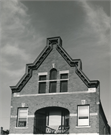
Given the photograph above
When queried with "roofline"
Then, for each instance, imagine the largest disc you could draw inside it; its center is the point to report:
(102, 112)
(77, 63)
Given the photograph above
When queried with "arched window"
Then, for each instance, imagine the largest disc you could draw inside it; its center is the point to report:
(53, 81)
(53, 74)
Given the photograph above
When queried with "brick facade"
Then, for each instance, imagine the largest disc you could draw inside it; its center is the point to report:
(26, 91)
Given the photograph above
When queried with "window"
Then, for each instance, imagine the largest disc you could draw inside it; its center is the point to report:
(42, 83)
(53, 81)
(63, 82)
(83, 115)
(52, 88)
(22, 117)
(53, 74)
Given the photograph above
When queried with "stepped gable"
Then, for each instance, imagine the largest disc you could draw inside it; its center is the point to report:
(43, 55)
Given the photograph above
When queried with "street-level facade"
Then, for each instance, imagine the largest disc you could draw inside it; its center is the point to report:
(54, 96)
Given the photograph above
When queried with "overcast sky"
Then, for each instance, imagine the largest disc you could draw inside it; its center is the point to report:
(84, 27)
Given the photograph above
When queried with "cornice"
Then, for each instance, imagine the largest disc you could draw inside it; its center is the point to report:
(84, 78)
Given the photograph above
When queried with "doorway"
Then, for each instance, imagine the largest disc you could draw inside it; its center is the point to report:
(51, 120)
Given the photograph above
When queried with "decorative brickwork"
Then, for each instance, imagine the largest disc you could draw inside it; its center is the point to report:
(26, 93)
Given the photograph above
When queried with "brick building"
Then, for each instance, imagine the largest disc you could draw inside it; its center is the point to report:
(55, 97)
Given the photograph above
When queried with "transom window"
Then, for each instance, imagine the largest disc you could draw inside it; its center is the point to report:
(83, 115)
(22, 119)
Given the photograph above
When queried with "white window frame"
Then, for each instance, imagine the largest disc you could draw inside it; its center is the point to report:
(64, 71)
(22, 108)
(82, 117)
(42, 73)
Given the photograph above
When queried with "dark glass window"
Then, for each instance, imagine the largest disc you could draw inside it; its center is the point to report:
(63, 86)
(42, 84)
(64, 83)
(64, 76)
(42, 77)
(53, 74)
(52, 87)
(42, 87)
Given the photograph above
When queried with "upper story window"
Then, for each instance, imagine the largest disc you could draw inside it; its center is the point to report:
(42, 82)
(53, 74)
(53, 81)
(64, 81)
(22, 119)
(83, 115)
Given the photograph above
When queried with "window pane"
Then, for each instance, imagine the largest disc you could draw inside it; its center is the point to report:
(53, 74)
(42, 77)
(23, 113)
(83, 115)
(63, 86)
(22, 124)
(42, 87)
(64, 76)
(83, 122)
(52, 88)
(83, 111)
(22, 117)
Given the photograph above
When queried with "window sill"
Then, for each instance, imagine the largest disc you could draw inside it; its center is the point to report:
(83, 126)
(21, 127)
(55, 80)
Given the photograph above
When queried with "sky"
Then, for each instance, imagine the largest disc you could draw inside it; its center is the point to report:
(83, 25)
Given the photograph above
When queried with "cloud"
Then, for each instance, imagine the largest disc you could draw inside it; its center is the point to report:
(14, 74)
(18, 37)
(12, 13)
(14, 50)
(93, 37)
(13, 22)
(98, 21)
